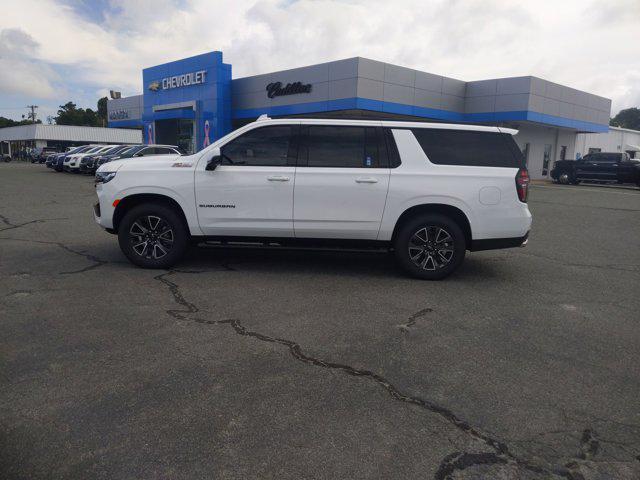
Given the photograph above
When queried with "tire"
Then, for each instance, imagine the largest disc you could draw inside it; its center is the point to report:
(141, 240)
(564, 178)
(426, 260)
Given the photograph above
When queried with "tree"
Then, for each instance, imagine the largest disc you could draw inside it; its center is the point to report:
(7, 122)
(102, 111)
(627, 118)
(70, 114)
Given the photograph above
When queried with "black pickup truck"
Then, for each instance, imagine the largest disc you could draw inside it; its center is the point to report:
(598, 167)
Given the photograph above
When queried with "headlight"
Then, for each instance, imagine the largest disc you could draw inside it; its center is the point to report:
(104, 177)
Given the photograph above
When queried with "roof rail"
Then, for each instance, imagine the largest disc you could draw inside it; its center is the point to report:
(263, 117)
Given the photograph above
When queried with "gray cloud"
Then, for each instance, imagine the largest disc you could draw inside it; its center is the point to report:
(19, 72)
(588, 45)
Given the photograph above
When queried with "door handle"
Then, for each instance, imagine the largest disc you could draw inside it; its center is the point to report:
(278, 178)
(366, 180)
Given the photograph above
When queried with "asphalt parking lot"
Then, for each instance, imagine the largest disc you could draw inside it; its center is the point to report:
(277, 364)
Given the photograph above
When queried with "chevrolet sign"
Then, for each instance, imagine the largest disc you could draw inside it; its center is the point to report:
(178, 81)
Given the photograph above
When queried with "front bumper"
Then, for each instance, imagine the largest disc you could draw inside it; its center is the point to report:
(103, 210)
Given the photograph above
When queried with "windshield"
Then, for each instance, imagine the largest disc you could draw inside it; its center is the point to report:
(131, 151)
(119, 149)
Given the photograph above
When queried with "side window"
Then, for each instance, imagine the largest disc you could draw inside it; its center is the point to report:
(164, 151)
(392, 149)
(145, 152)
(469, 148)
(345, 147)
(262, 147)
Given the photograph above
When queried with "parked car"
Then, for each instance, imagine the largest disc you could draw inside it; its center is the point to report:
(5, 157)
(88, 164)
(428, 192)
(39, 154)
(71, 162)
(604, 167)
(142, 151)
(58, 161)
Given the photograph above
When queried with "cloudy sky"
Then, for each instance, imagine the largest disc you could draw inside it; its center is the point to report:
(52, 51)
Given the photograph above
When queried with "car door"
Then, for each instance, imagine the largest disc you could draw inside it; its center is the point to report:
(341, 182)
(606, 167)
(251, 192)
(585, 167)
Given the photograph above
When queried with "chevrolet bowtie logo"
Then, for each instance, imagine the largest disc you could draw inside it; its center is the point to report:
(154, 86)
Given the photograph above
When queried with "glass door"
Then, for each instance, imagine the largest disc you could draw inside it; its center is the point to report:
(546, 159)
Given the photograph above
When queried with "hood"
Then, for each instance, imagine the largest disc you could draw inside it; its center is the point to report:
(152, 162)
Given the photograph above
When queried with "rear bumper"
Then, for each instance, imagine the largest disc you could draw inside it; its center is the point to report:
(498, 243)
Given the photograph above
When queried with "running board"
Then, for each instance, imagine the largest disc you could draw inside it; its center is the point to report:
(319, 245)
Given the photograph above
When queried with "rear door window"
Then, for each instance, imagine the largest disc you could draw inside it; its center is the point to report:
(345, 147)
(469, 148)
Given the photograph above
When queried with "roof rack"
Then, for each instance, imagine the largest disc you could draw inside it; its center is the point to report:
(263, 117)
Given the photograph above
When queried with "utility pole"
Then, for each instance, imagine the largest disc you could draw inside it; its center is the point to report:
(32, 115)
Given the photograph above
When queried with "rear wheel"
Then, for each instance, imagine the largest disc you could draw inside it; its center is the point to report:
(430, 246)
(153, 236)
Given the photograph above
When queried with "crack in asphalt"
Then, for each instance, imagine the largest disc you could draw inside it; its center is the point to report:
(98, 262)
(405, 327)
(12, 226)
(458, 461)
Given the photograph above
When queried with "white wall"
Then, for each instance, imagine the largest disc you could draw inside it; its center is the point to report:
(615, 140)
(537, 137)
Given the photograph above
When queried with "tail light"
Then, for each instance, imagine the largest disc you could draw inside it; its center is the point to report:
(522, 184)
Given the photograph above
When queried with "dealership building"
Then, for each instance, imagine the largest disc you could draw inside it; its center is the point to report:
(194, 101)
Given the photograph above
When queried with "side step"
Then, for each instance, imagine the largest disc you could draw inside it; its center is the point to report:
(319, 245)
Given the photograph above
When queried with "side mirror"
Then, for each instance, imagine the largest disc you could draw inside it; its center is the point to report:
(215, 159)
(140, 154)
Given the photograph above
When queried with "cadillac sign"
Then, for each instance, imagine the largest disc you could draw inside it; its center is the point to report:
(179, 81)
(276, 89)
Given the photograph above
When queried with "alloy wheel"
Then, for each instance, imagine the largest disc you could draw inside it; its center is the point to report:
(151, 237)
(431, 248)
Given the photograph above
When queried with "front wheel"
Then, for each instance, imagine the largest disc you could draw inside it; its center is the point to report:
(153, 236)
(430, 246)
(564, 178)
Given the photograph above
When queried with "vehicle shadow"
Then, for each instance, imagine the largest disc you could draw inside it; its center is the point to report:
(329, 263)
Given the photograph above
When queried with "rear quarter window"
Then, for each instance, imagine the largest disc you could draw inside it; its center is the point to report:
(469, 148)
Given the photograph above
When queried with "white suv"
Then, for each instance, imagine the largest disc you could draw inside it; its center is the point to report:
(427, 191)
(72, 162)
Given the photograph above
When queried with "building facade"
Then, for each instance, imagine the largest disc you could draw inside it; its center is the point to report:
(194, 101)
(614, 140)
